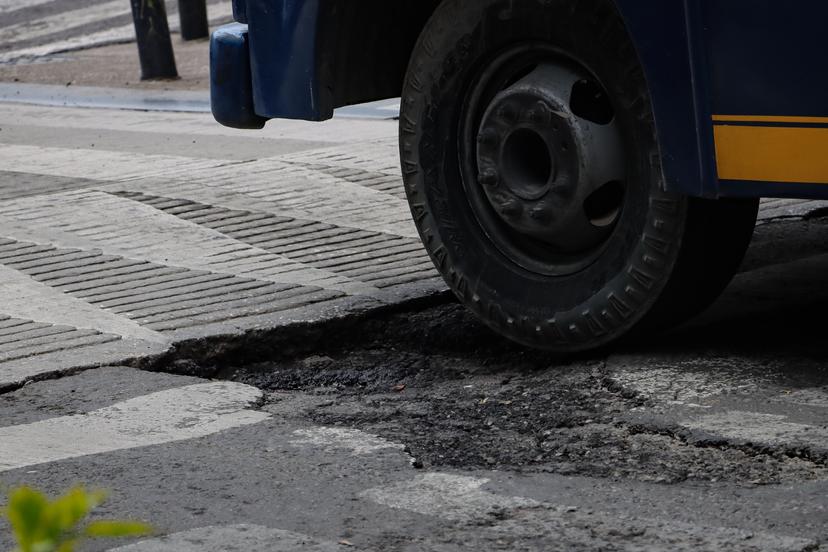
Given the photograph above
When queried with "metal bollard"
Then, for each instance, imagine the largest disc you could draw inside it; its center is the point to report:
(193, 14)
(154, 44)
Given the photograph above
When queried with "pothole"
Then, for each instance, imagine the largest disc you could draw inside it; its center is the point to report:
(457, 396)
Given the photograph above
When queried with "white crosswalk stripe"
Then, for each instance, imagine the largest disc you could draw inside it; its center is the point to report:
(817, 397)
(78, 19)
(453, 497)
(490, 516)
(314, 196)
(8, 6)
(64, 21)
(163, 417)
(684, 384)
(339, 438)
(678, 382)
(760, 428)
(154, 236)
(28, 299)
(477, 517)
(192, 245)
(334, 131)
(709, 396)
(98, 164)
(116, 35)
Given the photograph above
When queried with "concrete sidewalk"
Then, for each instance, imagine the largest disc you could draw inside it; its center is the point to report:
(125, 233)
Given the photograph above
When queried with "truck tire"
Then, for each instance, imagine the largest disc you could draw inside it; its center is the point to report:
(532, 169)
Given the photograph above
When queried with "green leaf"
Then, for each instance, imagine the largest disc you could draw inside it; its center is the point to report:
(68, 510)
(117, 529)
(26, 511)
(41, 525)
(67, 546)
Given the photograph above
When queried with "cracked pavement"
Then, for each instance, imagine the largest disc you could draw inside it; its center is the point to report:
(420, 430)
(247, 365)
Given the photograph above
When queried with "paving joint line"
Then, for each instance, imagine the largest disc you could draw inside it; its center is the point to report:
(688, 436)
(211, 354)
(53, 375)
(676, 431)
(254, 345)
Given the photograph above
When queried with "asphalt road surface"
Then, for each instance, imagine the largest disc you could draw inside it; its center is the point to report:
(421, 430)
(405, 426)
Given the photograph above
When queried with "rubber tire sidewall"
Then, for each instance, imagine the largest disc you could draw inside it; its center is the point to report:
(569, 313)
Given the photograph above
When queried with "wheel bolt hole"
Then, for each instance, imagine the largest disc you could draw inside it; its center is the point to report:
(603, 206)
(527, 163)
(590, 102)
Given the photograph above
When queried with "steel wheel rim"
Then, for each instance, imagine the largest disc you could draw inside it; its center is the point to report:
(520, 203)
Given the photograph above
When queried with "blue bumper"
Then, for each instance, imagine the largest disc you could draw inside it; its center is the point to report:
(268, 69)
(231, 83)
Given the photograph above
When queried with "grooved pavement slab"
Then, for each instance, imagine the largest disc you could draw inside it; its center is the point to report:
(116, 242)
(120, 248)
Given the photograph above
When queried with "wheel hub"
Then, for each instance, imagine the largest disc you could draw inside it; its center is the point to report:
(541, 164)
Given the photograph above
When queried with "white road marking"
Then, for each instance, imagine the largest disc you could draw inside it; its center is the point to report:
(230, 538)
(99, 164)
(758, 428)
(334, 438)
(192, 124)
(115, 35)
(162, 417)
(805, 397)
(136, 230)
(683, 382)
(7, 6)
(28, 299)
(326, 197)
(784, 207)
(453, 497)
(64, 21)
(300, 193)
(218, 13)
(381, 156)
(461, 499)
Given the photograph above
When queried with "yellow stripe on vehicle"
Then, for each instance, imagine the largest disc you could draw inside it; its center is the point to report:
(772, 154)
(768, 119)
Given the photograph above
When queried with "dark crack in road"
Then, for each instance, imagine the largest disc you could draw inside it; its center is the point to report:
(460, 397)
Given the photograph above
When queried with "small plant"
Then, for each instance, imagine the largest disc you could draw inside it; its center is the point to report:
(43, 525)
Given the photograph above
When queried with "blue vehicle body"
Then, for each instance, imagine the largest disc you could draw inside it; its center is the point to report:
(739, 87)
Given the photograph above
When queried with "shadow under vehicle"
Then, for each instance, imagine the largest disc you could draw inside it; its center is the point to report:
(577, 170)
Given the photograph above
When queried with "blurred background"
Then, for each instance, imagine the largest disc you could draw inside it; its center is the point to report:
(92, 43)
